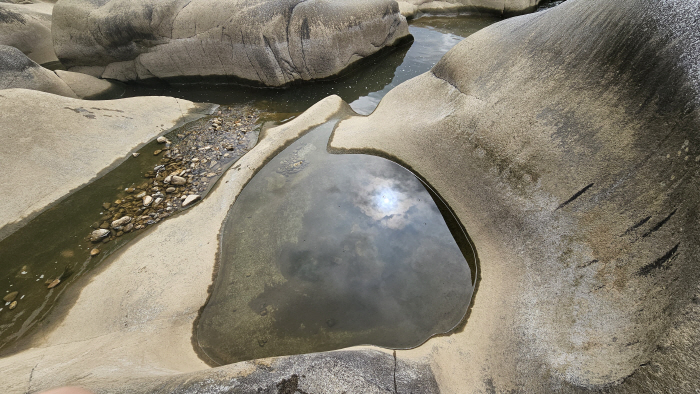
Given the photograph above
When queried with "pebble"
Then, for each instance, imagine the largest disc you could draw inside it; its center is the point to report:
(190, 199)
(94, 252)
(170, 190)
(141, 195)
(162, 140)
(97, 235)
(10, 297)
(106, 205)
(136, 154)
(156, 153)
(53, 283)
(178, 180)
(147, 200)
(13, 305)
(129, 227)
(121, 222)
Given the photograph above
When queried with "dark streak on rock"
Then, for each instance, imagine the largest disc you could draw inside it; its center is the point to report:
(8, 16)
(586, 264)
(660, 224)
(637, 225)
(396, 390)
(649, 268)
(575, 196)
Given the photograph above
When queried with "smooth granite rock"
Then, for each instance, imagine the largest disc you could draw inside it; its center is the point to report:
(271, 42)
(411, 8)
(27, 27)
(567, 144)
(19, 71)
(53, 145)
(88, 87)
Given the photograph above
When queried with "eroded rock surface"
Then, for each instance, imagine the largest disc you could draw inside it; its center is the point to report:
(264, 41)
(567, 144)
(27, 27)
(410, 8)
(53, 144)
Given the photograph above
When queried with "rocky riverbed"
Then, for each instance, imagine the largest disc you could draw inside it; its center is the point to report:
(189, 166)
(182, 168)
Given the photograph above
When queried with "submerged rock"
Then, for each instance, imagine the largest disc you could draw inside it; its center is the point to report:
(121, 222)
(563, 141)
(177, 180)
(98, 234)
(10, 296)
(264, 41)
(54, 283)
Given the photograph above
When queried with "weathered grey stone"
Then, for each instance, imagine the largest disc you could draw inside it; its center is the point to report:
(88, 87)
(19, 71)
(121, 222)
(98, 234)
(364, 371)
(27, 27)
(411, 8)
(266, 41)
(64, 143)
(567, 144)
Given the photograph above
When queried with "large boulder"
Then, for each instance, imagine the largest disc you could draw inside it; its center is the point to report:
(19, 71)
(271, 42)
(52, 145)
(411, 8)
(27, 27)
(567, 144)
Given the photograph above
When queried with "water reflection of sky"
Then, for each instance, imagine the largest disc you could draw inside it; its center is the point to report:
(349, 250)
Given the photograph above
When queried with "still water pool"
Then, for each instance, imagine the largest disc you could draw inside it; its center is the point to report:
(324, 251)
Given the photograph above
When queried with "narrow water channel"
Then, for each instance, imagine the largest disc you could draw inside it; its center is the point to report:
(54, 245)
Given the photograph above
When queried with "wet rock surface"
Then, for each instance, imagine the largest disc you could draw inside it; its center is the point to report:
(268, 42)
